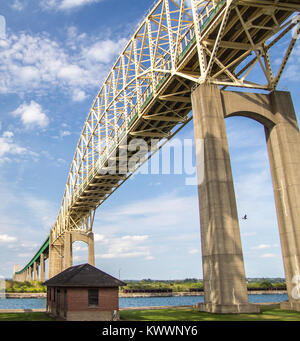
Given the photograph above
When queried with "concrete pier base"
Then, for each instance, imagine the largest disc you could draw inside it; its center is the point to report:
(290, 305)
(227, 309)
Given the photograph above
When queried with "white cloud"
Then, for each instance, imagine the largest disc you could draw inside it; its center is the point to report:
(69, 65)
(8, 147)
(29, 245)
(18, 5)
(65, 4)
(248, 234)
(292, 72)
(4, 238)
(25, 255)
(78, 95)
(134, 238)
(103, 51)
(64, 133)
(268, 255)
(171, 220)
(79, 247)
(32, 115)
(99, 237)
(194, 251)
(124, 247)
(70, 73)
(42, 210)
(261, 247)
(161, 209)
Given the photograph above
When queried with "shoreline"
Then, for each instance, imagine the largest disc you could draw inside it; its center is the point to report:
(132, 295)
(7, 311)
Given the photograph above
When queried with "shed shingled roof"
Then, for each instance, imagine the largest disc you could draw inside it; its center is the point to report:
(84, 275)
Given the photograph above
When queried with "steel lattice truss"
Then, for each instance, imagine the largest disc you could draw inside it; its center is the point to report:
(146, 95)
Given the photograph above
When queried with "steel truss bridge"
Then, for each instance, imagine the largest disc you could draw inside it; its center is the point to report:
(147, 94)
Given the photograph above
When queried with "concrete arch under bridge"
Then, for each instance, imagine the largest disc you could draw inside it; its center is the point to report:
(60, 251)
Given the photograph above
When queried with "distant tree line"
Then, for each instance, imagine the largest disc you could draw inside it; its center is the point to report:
(151, 286)
(19, 287)
(190, 285)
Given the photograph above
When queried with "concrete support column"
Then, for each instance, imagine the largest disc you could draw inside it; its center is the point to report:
(42, 268)
(16, 269)
(91, 249)
(67, 250)
(225, 289)
(55, 257)
(283, 141)
(30, 274)
(35, 278)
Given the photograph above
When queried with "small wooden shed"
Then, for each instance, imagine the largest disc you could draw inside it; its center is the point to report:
(83, 293)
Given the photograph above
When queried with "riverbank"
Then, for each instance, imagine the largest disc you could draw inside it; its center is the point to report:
(178, 294)
(129, 295)
(25, 295)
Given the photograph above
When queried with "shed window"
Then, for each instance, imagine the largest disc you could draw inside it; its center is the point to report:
(93, 297)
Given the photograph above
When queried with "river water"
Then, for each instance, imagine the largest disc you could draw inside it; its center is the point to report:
(124, 302)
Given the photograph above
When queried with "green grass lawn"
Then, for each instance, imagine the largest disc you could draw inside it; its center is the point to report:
(189, 314)
(269, 313)
(35, 316)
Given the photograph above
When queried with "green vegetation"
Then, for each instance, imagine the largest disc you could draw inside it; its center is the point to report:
(268, 313)
(34, 316)
(147, 284)
(34, 286)
(175, 286)
(193, 283)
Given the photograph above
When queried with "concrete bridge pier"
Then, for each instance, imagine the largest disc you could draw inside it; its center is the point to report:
(29, 274)
(283, 141)
(223, 266)
(225, 289)
(55, 257)
(16, 269)
(35, 271)
(42, 268)
(60, 252)
(72, 236)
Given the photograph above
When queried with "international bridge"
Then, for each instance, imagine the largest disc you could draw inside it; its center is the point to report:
(178, 65)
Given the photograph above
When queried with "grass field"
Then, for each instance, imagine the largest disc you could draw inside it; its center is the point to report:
(270, 313)
(35, 316)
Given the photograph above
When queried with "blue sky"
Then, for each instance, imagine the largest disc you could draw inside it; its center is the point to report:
(52, 63)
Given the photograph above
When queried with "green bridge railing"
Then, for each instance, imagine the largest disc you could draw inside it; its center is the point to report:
(41, 250)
